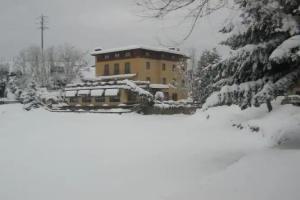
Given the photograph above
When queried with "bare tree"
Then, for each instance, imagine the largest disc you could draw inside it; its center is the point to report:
(194, 9)
(30, 63)
(57, 63)
(71, 59)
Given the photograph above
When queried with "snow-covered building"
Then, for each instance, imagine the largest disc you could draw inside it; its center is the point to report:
(164, 69)
(127, 76)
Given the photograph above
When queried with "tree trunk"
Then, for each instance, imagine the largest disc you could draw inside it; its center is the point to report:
(269, 105)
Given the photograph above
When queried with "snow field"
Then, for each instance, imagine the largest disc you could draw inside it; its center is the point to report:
(47, 155)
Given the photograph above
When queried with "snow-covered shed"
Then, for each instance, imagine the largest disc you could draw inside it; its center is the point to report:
(107, 93)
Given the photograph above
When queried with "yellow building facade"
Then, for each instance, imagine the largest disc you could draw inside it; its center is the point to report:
(164, 69)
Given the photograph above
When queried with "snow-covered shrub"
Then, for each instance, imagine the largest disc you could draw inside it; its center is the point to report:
(29, 97)
(49, 98)
(159, 96)
(205, 74)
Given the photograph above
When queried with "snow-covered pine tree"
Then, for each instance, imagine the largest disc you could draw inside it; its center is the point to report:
(267, 53)
(204, 75)
(29, 96)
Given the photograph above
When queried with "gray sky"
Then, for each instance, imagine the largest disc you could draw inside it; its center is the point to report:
(96, 23)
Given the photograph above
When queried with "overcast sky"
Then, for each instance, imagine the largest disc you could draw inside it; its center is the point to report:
(96, 23)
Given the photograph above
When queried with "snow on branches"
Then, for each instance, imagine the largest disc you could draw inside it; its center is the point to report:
(266, 58)
(289, 49)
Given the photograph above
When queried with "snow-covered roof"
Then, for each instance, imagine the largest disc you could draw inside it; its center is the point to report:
(84, 92)
(111, 92)
(112, 77)
(132, 47)
(97, 92)
(159, 86)
(122, 84)
(71, 93)
(133, 86)
(99, 87)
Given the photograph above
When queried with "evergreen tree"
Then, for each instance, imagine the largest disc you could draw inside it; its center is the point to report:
(29, 97)
(204, 75)
(267, 53)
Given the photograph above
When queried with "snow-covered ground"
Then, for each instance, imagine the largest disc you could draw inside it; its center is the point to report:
(66, 156)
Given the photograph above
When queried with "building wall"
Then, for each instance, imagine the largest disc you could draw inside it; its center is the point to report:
(172, 73)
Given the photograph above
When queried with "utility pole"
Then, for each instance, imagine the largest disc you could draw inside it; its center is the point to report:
(42, 26)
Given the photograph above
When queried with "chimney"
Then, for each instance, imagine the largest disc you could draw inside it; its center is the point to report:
(98, 49)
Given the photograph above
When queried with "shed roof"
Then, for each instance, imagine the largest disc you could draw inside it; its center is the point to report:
(97, 92)
(111, 92)
(71, 93)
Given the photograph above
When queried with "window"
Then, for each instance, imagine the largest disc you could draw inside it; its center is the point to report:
(174, 82)
(132, 97)
(100, 99)
(147, 54)
(114, 98)
(116, 68)
(106, 70)
(148, 65)
(86, 99)
(183, 83)
(117, 55)
(174, 97)
(166, 94)
(99, 58)
(164, 67)
(73, 100)
(148, 79)
(127, 68)
(127, 54)
(164, 81)
(173, 68)
(106, 57)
